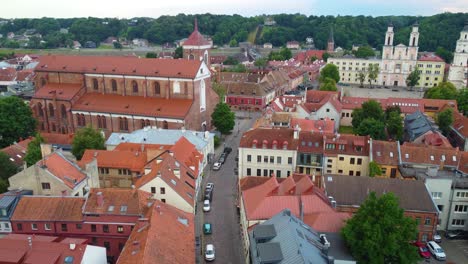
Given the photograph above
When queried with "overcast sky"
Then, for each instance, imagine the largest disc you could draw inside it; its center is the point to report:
(156, 8)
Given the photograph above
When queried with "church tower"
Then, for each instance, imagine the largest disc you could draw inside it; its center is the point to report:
(331, 42)
(458, 74)
(197, 47)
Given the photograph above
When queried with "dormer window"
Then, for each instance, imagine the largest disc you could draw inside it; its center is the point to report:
(264, 144)
(407, 155)
(275, 144)
(285, 145)
(254, 143)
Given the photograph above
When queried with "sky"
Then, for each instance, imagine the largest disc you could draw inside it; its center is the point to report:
(156, 8)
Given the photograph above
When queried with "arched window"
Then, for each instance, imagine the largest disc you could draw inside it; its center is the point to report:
(135, 86)
(63, 111)
(114, 85)
(80, 120)
(51, 110)
(43, 81)
(102, 122)
(123, 123)
(157, 88)
(53, 127)
(165, 125)
(95, 84)
(145, 123)
(39, 110)
(191, 57)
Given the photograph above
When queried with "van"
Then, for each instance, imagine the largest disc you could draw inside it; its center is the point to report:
(436, 250)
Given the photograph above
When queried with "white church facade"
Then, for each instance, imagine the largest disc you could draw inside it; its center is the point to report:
(458, 74)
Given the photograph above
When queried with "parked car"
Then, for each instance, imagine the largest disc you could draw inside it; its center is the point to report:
(209, 195)
(456, 234)
(436, 250)
(207, 229)
(222, 159)
(422, 250)
(209, 186)
(227, 150)
(437, 238)
(210, 252)
(217, 166)
(206, 206)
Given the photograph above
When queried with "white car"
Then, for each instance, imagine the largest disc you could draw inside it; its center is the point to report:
(209, 186)
(217, 166)
(206, 206)
(210, 252)
(436, 250)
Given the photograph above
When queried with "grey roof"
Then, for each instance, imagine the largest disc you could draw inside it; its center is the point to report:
(294, 243)
(353, 191)
(160, 136)
(264, 232)
(417, 124)
(338, 249)
(31, 65)
(6, 201)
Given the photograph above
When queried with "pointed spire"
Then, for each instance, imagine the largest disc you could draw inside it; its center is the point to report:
(330, 37)
(196, 25)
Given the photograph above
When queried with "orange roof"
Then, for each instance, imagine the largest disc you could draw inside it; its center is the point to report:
(17, 151)
(61, 91)
(56, 138)
(124, 159)
(431, 57)
(133, 105)
(152, 150)
(460, 123)
(353, 145)
(324, 126)
(196, 38)
(422, 154)
(116, 201)
(130, 65)
(7, 74)
(167, 237)
(463, 166)
(269, 135)
(62, 168)
(327, 221)
(187, 153)
(40, 208)
(385, 152)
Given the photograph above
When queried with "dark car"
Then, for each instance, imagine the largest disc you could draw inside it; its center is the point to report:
(209, 194)
(227, 150)
(457, 234)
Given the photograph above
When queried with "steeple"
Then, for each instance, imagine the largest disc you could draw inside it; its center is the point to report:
(195, 28)
(330, 37)
(331, 41)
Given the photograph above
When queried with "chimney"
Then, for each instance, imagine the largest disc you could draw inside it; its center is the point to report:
(297, 129)
(100, 199)
(301, 207)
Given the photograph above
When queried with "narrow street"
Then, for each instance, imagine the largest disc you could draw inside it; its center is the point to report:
(223, 215)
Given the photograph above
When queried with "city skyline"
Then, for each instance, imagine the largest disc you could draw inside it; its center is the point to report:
(145, 8)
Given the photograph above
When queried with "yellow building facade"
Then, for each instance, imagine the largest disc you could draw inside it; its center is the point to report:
(431, 70)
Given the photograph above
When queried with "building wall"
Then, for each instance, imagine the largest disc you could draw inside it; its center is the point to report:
(327, 111)
(271, 167)
(431, 73)
(349, 68)
(116, 178)
(387, 170)
(458, 218)
(341, 165)
(346, 117)
(441, 191)
(5, 227)
(170, 197)
(246, 102)
(459, 70)
(457, 139)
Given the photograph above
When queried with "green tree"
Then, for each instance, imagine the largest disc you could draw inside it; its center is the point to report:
(220, 90)
(285, 53)
(8, 168)
(413, 78)
(374, 169)
(237, 68)
(117, 45)
(86, 138)
(362, 78)
(445, 120)
(328, 85)
(325, 56)
(261, 63)
(151, 55)
(445, 90)
(394, 124)
(374, 128)
(390, 109)
(4, 185)
(446, 55)
(178, 53)
(364, 52)
(379, 232)
(369, 109)
(329, 71)
(373, 72)
(462, 101)
(34, 153)
(230, 61)
(233, 43)
(223, 118)
(16, 120)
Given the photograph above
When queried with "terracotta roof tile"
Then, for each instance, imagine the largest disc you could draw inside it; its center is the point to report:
(133, 105)
(331, 222)
(168, 237)
(430, 57)
(385, 152)
(62, 168)
(280, 135)
(421, 154)
(7, 74)
(179, 68)
(460, 123)
(187, 153)
(353, 145)
(196, 39)
(122, 159)
(61, 91)
(17, 151)
(133, 201)
(463, 165)
(326, 126)
(39, 208)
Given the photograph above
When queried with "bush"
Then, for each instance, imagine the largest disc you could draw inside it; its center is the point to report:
(217, 141)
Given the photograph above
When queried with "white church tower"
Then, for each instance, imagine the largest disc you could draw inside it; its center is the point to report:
(458, 74)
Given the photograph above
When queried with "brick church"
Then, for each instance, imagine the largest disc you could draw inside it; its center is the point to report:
(122, 94)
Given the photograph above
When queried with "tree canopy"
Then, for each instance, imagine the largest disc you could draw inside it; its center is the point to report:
(369, 109)
(445, 90)
(413, 78)
(34, 153)
(86, 138)
(445, 120)
(379, 232)
(223, 118)
(152, 55)
(374, 128)
(329, 71)
(364, 52)
(328, 85)
(374, 169)
(16, 120)
(281, 55)
(8, 168)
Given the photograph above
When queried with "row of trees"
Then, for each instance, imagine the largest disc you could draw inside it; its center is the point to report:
(232, 29)
(447, 91)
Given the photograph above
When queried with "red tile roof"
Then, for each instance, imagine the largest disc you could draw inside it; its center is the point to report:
(331, 222)
(62, 168)
(56, 138)
(421, 154)
(460, 123)
(134, 200)
(431, 57)
(316, 99)
(121, 159)
(61, 91)
(310, 142)
(307, 55)
(463, 165)
(385, 152)
(133, 105)
(168, 237)
(7, 74)
(178, 68)
(326, 126)
(196, 38)
(351, 145)
(186, 153)
(17, 151)
(269, 135)
(40, 208)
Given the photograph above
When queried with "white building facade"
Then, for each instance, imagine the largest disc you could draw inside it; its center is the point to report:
(458, 74)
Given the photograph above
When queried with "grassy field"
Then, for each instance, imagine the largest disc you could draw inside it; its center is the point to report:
(346, 130)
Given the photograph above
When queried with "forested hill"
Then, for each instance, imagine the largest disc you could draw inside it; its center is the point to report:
(440, 30)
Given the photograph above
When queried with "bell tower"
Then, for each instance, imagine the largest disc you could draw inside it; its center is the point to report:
(197, 47)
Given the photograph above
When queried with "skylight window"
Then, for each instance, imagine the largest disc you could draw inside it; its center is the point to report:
(111, 208)
(123, 208)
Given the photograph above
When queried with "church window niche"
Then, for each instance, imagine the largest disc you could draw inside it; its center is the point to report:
(95, 84)
(165, 125)
(114, 85)
(39, 110)
(43, 81)
(191, 57)
(176, 87)
(134, 87)
(157, 88)
(63, 111)
(51, 110)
